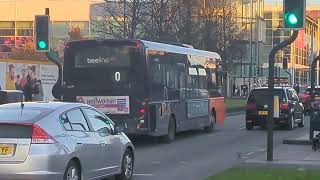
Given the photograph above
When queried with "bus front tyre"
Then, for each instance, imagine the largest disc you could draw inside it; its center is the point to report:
(170, 137)
(210, 128)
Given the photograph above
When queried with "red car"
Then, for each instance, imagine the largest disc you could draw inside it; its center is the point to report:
(305, 98)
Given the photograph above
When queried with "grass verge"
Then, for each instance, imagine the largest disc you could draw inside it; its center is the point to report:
(246, 173)
(235, 104)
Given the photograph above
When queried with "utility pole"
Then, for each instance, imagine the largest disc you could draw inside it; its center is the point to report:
(250, 43)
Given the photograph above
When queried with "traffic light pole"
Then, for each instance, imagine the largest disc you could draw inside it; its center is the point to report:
(313, 81)
(271, 90)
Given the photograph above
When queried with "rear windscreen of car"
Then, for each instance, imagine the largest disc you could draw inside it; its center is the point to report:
(316, 90)
(259, 96)
(17, 115)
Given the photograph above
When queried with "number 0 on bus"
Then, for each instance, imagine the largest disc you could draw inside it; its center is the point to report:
(117, 76)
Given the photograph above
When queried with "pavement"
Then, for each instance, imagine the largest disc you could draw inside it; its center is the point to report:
(289, 155)
(196, 155)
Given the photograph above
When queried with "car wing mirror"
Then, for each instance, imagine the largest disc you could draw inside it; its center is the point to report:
(121, 127)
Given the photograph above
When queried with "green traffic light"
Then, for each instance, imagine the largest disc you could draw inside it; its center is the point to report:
(292, 19)
(42, 44)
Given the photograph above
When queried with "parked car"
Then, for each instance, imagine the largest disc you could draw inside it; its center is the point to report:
(305, 97)
(55, 140)
(291, 109)
(10, 96)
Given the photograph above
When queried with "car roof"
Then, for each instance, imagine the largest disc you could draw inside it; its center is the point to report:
(42, 105)
(282, 87)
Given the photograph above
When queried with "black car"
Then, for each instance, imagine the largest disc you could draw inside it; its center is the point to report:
(290, 113)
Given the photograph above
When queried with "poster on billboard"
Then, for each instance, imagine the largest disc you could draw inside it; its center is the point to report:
(107, 104)
(17, 75)
(49, 76)
(33, 78)
(2, 78)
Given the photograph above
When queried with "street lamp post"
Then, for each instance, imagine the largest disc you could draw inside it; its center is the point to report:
(250, 43)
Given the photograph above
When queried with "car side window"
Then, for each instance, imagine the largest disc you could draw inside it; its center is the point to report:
(99, 123)
(65, 122)
(76, 120)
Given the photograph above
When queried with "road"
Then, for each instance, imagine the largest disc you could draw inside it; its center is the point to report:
(196, 155)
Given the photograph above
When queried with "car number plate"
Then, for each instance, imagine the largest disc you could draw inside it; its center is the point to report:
(6, 149)
(263, 113)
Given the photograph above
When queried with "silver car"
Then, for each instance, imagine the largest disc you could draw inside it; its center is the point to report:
(56, 141)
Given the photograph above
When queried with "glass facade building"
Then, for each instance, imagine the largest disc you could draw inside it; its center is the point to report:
(298, 54)
(17, 20)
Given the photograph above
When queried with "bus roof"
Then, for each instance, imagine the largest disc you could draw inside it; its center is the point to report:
(158, 46)
(179, 49)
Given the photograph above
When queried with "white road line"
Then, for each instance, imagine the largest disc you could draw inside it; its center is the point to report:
(242, 128)
(183, 163)
(249, 153)
(262, 149)
(156, 162)
(143, 174)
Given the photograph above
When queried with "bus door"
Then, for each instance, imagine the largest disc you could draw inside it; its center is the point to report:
(198, 99)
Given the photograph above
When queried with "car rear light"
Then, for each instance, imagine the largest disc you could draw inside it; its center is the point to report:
(142, 110)
(284, 106)
(251, 106)
(40, 136)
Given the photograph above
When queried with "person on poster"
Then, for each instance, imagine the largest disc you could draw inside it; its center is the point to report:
(18, 82)
(27, 90)
(39, 95)
(10, 84)
(23, 80)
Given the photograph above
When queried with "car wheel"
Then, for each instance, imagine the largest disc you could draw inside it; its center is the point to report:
(291, 122)
(301, 124)
(170, 137)
(249, 126)
(127, 166)
(210, 128)
(72, 171)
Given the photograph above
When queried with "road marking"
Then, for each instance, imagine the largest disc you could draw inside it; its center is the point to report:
(156, 162)
(242, 127)
(183, 162)
(249, 153)
(143, 174)
(262, 149)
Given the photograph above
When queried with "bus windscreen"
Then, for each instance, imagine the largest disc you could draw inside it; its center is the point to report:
(102, 56)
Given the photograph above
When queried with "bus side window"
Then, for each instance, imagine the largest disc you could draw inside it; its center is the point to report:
(193, 85)
(158, 81)
(172, 81)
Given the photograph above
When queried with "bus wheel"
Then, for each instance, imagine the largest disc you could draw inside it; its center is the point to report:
(171, 131)
(210, 128)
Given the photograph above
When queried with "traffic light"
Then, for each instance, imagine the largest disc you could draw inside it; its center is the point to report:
(285, 63)
(41, 41)
(294, 14)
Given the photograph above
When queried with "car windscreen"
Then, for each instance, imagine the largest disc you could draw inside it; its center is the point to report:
(259, 96)
(22, 115)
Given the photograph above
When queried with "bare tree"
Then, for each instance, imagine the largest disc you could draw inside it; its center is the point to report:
(221, 27)
(159, 18)
(187, 23)
(120, 19)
